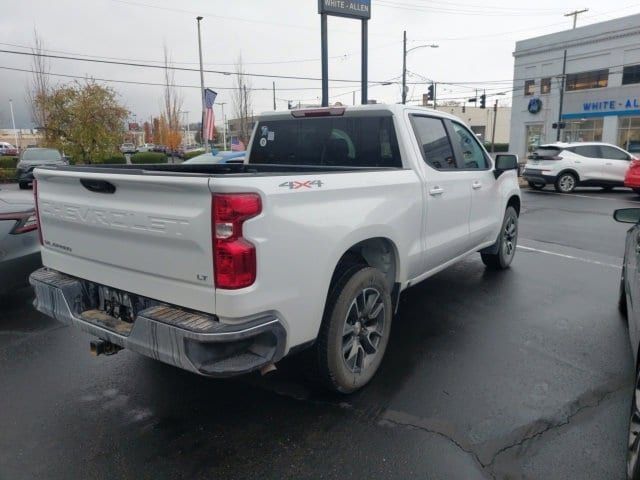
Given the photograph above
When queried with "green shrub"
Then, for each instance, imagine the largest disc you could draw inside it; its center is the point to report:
(8, 162)
(112, 160)
(8, 174)
(149, 157)
(193, 153)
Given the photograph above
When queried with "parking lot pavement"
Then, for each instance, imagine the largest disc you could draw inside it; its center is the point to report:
(519, 374)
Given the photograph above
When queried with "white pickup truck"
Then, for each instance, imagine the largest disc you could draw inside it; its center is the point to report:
(225, 269)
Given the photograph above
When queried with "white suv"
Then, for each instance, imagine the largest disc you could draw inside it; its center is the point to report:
(568, 165)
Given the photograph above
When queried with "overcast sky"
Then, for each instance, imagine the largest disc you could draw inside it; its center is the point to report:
(280, 37)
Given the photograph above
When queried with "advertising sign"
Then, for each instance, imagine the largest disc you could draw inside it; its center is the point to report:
(360, 9)
(616, 101)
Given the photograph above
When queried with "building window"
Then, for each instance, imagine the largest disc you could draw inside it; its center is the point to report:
(529, 87)
(586, 80)
(545, 85)
(631, 74)
(583, 130)
(629, 134)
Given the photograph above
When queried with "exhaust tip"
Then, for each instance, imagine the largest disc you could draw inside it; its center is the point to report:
(267, 369)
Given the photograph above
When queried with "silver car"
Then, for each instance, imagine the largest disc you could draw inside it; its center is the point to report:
(19, 242)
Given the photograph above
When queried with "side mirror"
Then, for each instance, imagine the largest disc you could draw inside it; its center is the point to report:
(504, 162)
(627, 215)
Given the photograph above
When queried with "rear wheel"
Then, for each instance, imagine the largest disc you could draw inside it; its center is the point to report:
(507, 243)
(566, 183)
(536, 186)
(23, 185)
(355, 329)
(636, 190)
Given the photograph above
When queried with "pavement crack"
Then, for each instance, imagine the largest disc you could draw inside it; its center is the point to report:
(591, 400)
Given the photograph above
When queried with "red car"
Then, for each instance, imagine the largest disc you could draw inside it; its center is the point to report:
(8, 149)
(632, 177)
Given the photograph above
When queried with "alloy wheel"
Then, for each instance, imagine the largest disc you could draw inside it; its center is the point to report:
(510, 237)
(567, 183)
(633, 453)
(363, 330)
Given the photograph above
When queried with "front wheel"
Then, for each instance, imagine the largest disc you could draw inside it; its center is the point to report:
(536, 186)
(633, 452)
(506, 243)
(355, 329)
(636, 191)
(566, 183)
(23, 185)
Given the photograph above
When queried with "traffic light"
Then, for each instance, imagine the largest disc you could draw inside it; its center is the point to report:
(430, 92)
(483, 101)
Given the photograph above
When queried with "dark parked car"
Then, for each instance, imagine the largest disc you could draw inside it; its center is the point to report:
(36, 157)
(628, 304)
(19, 244)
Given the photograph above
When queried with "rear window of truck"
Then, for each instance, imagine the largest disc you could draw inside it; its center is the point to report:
(330, 141)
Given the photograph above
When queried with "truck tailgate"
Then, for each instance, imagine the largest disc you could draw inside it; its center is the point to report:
(145, 234)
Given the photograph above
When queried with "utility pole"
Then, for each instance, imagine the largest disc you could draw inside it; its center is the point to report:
(404, 68)
(274, 96)
(562, 81)
(324, 50)
(13, 121)
(493, 129)
(201, 87)
(435, 87)
(575, 14)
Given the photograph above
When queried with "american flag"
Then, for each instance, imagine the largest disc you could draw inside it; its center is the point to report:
(209, 117)
(237, 145)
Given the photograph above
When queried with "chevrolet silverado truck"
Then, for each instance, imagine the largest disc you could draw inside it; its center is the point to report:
(226, 269)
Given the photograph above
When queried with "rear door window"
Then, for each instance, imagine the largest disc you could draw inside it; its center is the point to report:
(589, 151)
(331, 141)
(545, 153)
(434, 142)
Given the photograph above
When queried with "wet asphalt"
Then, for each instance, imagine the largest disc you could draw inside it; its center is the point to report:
(518, 374)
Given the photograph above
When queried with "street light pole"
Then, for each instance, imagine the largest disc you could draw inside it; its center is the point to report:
(404, 63)
(224, 127)
(13, 121)
(201, 86)
(404, 68)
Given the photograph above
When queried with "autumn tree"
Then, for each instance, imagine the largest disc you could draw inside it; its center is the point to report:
(172, 104)
(84, 119)
(242, 102)
(148, 134)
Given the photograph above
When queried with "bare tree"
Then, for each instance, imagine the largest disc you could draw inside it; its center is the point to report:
(172, 105)
(242, 102)
(39, 88)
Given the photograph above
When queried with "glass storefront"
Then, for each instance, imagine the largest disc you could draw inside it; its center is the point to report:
(533, 134)
(629, 134)
(583, 130)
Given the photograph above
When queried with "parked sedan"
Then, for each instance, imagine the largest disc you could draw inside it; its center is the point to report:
(128, 148)
(628, 304)
(147, 147)
(36, 157)
(19, 244)
(568, 165)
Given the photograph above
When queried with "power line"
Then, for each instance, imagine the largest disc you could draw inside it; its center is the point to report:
(181, 69)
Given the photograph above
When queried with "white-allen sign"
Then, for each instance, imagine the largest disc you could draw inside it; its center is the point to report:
(346, 8)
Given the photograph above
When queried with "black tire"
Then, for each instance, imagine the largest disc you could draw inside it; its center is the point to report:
(607, 188)
(536, 186)
(344, 332)
(566, 182)
(506, 243)
(622, 298)
(23, 185)
(636, 191)
(633, 450)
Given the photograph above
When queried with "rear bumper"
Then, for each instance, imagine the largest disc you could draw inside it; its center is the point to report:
(536, 176)
(189, 340)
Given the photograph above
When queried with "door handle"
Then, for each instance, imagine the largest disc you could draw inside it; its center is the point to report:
(476, 185)
(436, 191)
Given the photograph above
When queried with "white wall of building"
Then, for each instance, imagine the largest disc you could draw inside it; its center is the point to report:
(612, 44)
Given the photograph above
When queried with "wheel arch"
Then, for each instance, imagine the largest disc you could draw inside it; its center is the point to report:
(571, 171)
(515, 202)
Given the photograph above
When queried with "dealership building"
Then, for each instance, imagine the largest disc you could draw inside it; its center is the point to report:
(601, 100)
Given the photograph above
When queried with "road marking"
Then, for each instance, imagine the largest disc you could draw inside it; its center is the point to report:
(535, 192)
(570, 257)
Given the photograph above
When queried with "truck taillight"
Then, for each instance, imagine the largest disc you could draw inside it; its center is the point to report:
(234, 257)
(35, 198)
(635, 163)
